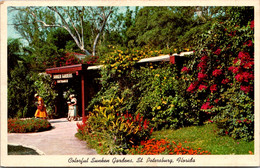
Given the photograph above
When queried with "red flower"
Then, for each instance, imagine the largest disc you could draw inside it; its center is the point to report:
(204, 58)
(201, 76)
(213, 88)
(235, 60)
(243, 55)
(244, 77)
(201, 87)
(185, 69)
(192, 87)
(145, 125)
(225, 81)
(211, 121)
(246, 89)
(202, 65)
(233, 69)
(249, 65)
(217, 52)
(206, 106)
(249, 43)
(252, 24)
(151, 131)
(217, 72)
(232, 33)
(216, 101)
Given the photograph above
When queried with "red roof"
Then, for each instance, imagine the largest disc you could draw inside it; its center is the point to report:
(67, 69)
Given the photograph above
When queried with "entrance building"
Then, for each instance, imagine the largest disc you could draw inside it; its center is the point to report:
(81, 77)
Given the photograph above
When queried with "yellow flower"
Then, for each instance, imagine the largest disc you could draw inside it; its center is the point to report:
(157, 75)
(151, 66)
(164, 78)
(159, 107)
(164, 102)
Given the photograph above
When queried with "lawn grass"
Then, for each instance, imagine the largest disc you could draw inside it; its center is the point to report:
(20, 150)
(206, 137)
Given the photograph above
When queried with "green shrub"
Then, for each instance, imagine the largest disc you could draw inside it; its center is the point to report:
(20, 92)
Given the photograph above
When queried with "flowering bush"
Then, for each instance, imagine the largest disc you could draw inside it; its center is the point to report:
(27, 125)
(222, 79)
(164, 147)
(123, 129)
(72, 59)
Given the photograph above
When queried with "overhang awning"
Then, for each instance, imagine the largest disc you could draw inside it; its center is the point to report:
(163, 57)
(67, 69)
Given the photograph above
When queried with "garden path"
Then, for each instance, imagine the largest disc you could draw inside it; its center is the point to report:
(60, 140)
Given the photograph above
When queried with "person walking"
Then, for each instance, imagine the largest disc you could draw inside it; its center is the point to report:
(41, 109)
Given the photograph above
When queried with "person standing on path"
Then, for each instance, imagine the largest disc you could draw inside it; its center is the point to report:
(41, 109)
(72, 114)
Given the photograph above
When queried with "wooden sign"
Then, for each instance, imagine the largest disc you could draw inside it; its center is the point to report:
(63, 81)
(67, 75)
(57, 76)
(62, 76)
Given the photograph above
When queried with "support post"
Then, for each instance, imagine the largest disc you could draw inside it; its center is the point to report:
(83, 96)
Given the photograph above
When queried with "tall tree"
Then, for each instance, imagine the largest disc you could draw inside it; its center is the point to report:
(72, 19)
(158, 27)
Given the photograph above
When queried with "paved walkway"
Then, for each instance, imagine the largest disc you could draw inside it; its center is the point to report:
(60, 140)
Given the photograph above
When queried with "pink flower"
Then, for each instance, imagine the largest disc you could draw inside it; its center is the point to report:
(217, 52)
(201, 76)
(213, 88)
(217, 72)
(201, 87)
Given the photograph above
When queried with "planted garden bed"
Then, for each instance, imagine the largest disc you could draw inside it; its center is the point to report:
(28, 125)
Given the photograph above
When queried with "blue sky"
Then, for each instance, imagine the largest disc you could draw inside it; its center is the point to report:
(11, 32)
